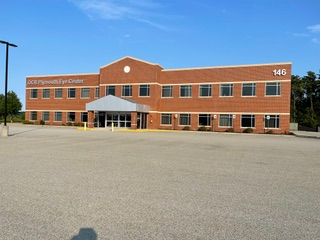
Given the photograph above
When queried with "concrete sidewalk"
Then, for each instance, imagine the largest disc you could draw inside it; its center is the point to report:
(307, 134)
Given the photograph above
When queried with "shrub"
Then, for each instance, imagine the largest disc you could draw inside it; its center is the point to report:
(69, 123)
(230, 130)
(42, 122)
(27, 122)
(248, 130)
(202, 129)
(186, 128)
(269, 132)
(77, 124)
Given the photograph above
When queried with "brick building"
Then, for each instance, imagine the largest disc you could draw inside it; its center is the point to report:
(131, 93)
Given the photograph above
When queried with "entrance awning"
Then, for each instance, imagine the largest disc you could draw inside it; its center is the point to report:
(111, 103)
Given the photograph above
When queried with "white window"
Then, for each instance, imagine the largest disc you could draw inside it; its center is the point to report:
(33, 93)
(127, 91)
(248, 89)
(248, 121)
(226, 90)
(85, 92)
(225, 120)
(273, 89)
(45, 116)
(185, 119)
(71, 116)
(58, 93)
(144, 91)
(272, 121)
(166, 119)
(97, 92)
(46, 93)
(84, 117)
(185, 91)
(204, 120)
(205, 90)
(110, 90)
(71, 93)
(166, 91)
(33, 115)
(57, 116)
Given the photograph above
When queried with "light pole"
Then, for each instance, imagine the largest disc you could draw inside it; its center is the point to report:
(5, 129)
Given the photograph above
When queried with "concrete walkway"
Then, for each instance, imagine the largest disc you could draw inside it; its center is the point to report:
(307, 134)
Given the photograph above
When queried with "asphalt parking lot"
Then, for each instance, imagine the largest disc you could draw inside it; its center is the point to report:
(62, 183)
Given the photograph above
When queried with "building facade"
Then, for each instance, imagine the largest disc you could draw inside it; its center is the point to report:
(131, 93)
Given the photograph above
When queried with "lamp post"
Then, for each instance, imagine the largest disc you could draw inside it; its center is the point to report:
(5, 128)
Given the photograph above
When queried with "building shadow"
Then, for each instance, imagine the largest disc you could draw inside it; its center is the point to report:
(85, 234)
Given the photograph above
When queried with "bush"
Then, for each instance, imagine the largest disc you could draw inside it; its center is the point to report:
(42, 122)
(69, 123)
(77, 124)
(27, 122)
(248, 130)
(230, 130)
(186, 128)
(269, 132)
(202, 129)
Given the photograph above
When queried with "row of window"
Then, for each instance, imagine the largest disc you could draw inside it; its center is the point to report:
(225, 120)
(71, 116)
(205, 90)
(85, 93)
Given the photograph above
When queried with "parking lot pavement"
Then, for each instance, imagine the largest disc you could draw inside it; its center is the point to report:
(61, 183)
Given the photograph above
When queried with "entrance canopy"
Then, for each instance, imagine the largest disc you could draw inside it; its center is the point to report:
(111, 103)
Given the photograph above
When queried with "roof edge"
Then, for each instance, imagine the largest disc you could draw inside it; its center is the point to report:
(61, 75)
(231, 66)
(136, 59)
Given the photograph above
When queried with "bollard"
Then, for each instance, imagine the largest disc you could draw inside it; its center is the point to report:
(85, 126)
(112, 127)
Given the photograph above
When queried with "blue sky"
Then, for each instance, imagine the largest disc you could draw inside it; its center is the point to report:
(80, 36)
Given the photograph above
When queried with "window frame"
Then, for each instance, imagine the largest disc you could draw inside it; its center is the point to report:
(84, 115)
(277, 86)
(275, 118)
(188, 119)
(56, 115)
(208, 119)
(32, 114)
(126, 88)
(45, 114)
(187, 91)
(97, 92)
(85, 92)
(252, 120)
(108, 87)
(229, 119)
(226, 85)
(169, 88)
(68, 116)
(253, 90)
(169, 118)
(69, 93)
(58, 90)
(34, 91)
(46, 93)
(147, 89)
(201, 88)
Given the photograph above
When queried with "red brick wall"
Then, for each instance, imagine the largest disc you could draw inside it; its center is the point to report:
(145, 73)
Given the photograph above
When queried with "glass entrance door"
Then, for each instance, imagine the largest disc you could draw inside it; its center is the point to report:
(121, 120)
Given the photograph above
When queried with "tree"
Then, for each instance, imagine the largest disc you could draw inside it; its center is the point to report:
(305, 99)
(13, 104)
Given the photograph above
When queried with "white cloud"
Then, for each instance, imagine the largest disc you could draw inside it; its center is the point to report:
(316, 40)
(301, 35)
(314, 28)
(119, 9)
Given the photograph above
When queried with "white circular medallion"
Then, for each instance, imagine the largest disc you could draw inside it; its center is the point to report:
(126, 69)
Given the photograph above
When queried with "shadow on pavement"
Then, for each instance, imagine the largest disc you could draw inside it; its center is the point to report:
(85, 234)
